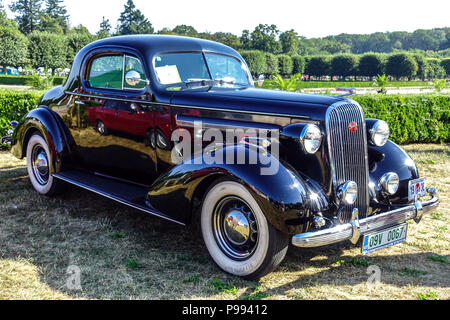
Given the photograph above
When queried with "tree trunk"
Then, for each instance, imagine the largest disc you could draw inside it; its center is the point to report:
(4, 70)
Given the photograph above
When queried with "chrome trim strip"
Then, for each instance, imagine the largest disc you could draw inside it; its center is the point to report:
(185, 106)
(188, 122)
(112, 197)
(349, 231)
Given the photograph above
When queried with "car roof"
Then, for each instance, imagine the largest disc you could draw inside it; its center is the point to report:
(150, 45)
(147, 46)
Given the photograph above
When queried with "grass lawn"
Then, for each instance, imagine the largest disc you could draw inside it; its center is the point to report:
(125, 254)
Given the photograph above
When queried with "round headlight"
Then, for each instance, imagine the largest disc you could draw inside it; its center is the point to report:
(348, 192)
(389, 182)
(379, 133)
(311, 138)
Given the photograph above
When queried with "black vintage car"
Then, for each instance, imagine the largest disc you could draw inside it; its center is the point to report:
(141, 120)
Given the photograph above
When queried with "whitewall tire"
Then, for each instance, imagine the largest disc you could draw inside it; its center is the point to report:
(39, 167)
(237, 234)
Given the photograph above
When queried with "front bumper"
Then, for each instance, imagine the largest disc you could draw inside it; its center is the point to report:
(353, 230)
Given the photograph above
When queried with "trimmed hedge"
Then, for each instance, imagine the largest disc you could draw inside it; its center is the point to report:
(412, 118)
(22, 80)
(285, 64)
(14, 105)
(256, 61)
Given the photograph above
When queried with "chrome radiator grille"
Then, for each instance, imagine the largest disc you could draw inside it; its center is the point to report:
(348, 153)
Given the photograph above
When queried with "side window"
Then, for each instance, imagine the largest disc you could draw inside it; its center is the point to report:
(134, 74)
(117, 72)
(107, 72)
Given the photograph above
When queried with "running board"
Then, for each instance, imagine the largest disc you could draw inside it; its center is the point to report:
(125, 193)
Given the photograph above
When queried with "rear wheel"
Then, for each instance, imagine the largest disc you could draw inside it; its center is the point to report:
(101, 128)
(39, 168)
(237, 234)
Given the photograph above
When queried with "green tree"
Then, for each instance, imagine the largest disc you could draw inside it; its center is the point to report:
(4, 20)
(344, 65)
(401, 65)
(13, 47)
(370, 65)
(289, 42)
(256, 61)
(285, 64)
(436, 69)
(445, 63)
(334, 47)
(246, 40)
(47, 50)
(55, 14)
(105, 29)
(271, 63)
(318, 66)
(75, 42)
(48, 24)
(298, 64)
(228, 39)
(28, 14)
(133, 21)
(264, 38)
(184, 30)
(424, 69)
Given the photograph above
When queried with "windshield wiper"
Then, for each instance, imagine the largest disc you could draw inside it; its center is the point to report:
(200, 82)
(210, 82)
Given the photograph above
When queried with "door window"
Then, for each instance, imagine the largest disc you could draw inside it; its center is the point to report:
(107, 72)
(117, 72)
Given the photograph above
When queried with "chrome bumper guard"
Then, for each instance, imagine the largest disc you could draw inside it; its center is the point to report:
(353, 230)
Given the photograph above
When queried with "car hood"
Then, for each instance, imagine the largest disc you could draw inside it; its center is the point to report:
(262, 101)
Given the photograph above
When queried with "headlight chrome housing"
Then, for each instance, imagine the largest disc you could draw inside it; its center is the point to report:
(348, 192)
(379, 133)
(389, 182)
(311, 138)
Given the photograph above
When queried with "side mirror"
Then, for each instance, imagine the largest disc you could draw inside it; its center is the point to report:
(133, 78)
(261, 79)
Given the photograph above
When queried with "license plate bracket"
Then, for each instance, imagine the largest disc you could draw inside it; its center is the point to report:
(381, 239)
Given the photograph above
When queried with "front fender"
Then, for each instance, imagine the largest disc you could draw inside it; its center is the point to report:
(42, 120)
(284, 196)
(391, 158)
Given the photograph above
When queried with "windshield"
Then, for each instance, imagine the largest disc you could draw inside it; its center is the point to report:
(207, 69)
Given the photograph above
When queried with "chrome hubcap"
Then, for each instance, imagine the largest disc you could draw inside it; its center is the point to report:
(39, 162)
(101, 127)
(235, 228)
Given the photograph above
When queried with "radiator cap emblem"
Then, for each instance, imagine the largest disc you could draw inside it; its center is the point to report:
(353, 126)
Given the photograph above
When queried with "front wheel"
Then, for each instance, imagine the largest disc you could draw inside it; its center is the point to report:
(237, 234)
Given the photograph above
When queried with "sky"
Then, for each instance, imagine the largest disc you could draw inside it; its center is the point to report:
(310, 18)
